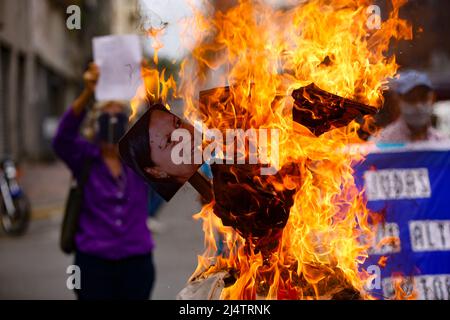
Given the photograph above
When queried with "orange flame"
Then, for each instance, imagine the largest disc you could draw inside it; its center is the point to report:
(403, 287)
(156, 87)
(264, 54)
(382, 261)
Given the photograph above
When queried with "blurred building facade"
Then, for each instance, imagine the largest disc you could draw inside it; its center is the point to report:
(429, 49)
(125, 15)
(41, 64)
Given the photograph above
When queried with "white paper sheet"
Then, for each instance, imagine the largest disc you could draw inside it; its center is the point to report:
(119, 59)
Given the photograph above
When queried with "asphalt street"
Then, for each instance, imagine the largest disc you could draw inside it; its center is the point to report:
(33, 267)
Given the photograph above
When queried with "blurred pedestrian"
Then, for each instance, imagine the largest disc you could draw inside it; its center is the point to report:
(415, 97)
(113, 244)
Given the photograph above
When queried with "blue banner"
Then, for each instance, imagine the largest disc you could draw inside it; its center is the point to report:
(410, 186)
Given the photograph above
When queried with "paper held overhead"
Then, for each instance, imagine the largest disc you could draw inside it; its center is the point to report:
(119, 59)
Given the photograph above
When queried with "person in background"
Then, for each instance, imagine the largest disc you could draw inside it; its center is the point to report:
(114, 245)
(414, 94)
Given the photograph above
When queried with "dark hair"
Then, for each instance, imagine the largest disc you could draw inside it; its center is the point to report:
(418, 93)
(135, 151)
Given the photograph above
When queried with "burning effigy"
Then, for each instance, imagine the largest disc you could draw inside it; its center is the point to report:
(303, 74)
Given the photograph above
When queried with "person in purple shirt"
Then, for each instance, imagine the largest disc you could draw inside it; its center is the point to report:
(114, 244)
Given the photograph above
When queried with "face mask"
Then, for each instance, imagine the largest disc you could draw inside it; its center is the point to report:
(416, 115)
(112, 127)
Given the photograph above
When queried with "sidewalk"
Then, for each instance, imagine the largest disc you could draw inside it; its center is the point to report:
(47, 186)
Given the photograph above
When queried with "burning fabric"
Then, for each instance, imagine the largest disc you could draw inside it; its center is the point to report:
(306, 72)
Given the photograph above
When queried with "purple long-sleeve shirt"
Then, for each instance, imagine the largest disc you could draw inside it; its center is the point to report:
(113, 217)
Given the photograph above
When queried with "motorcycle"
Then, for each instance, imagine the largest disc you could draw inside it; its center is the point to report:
(15, 210)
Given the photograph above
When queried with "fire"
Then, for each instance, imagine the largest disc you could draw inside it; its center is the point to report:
(382, 261)
(264, 54)
(403, 288)
(156, 86)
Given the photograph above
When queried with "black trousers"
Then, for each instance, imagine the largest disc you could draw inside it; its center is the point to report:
(127, 279)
